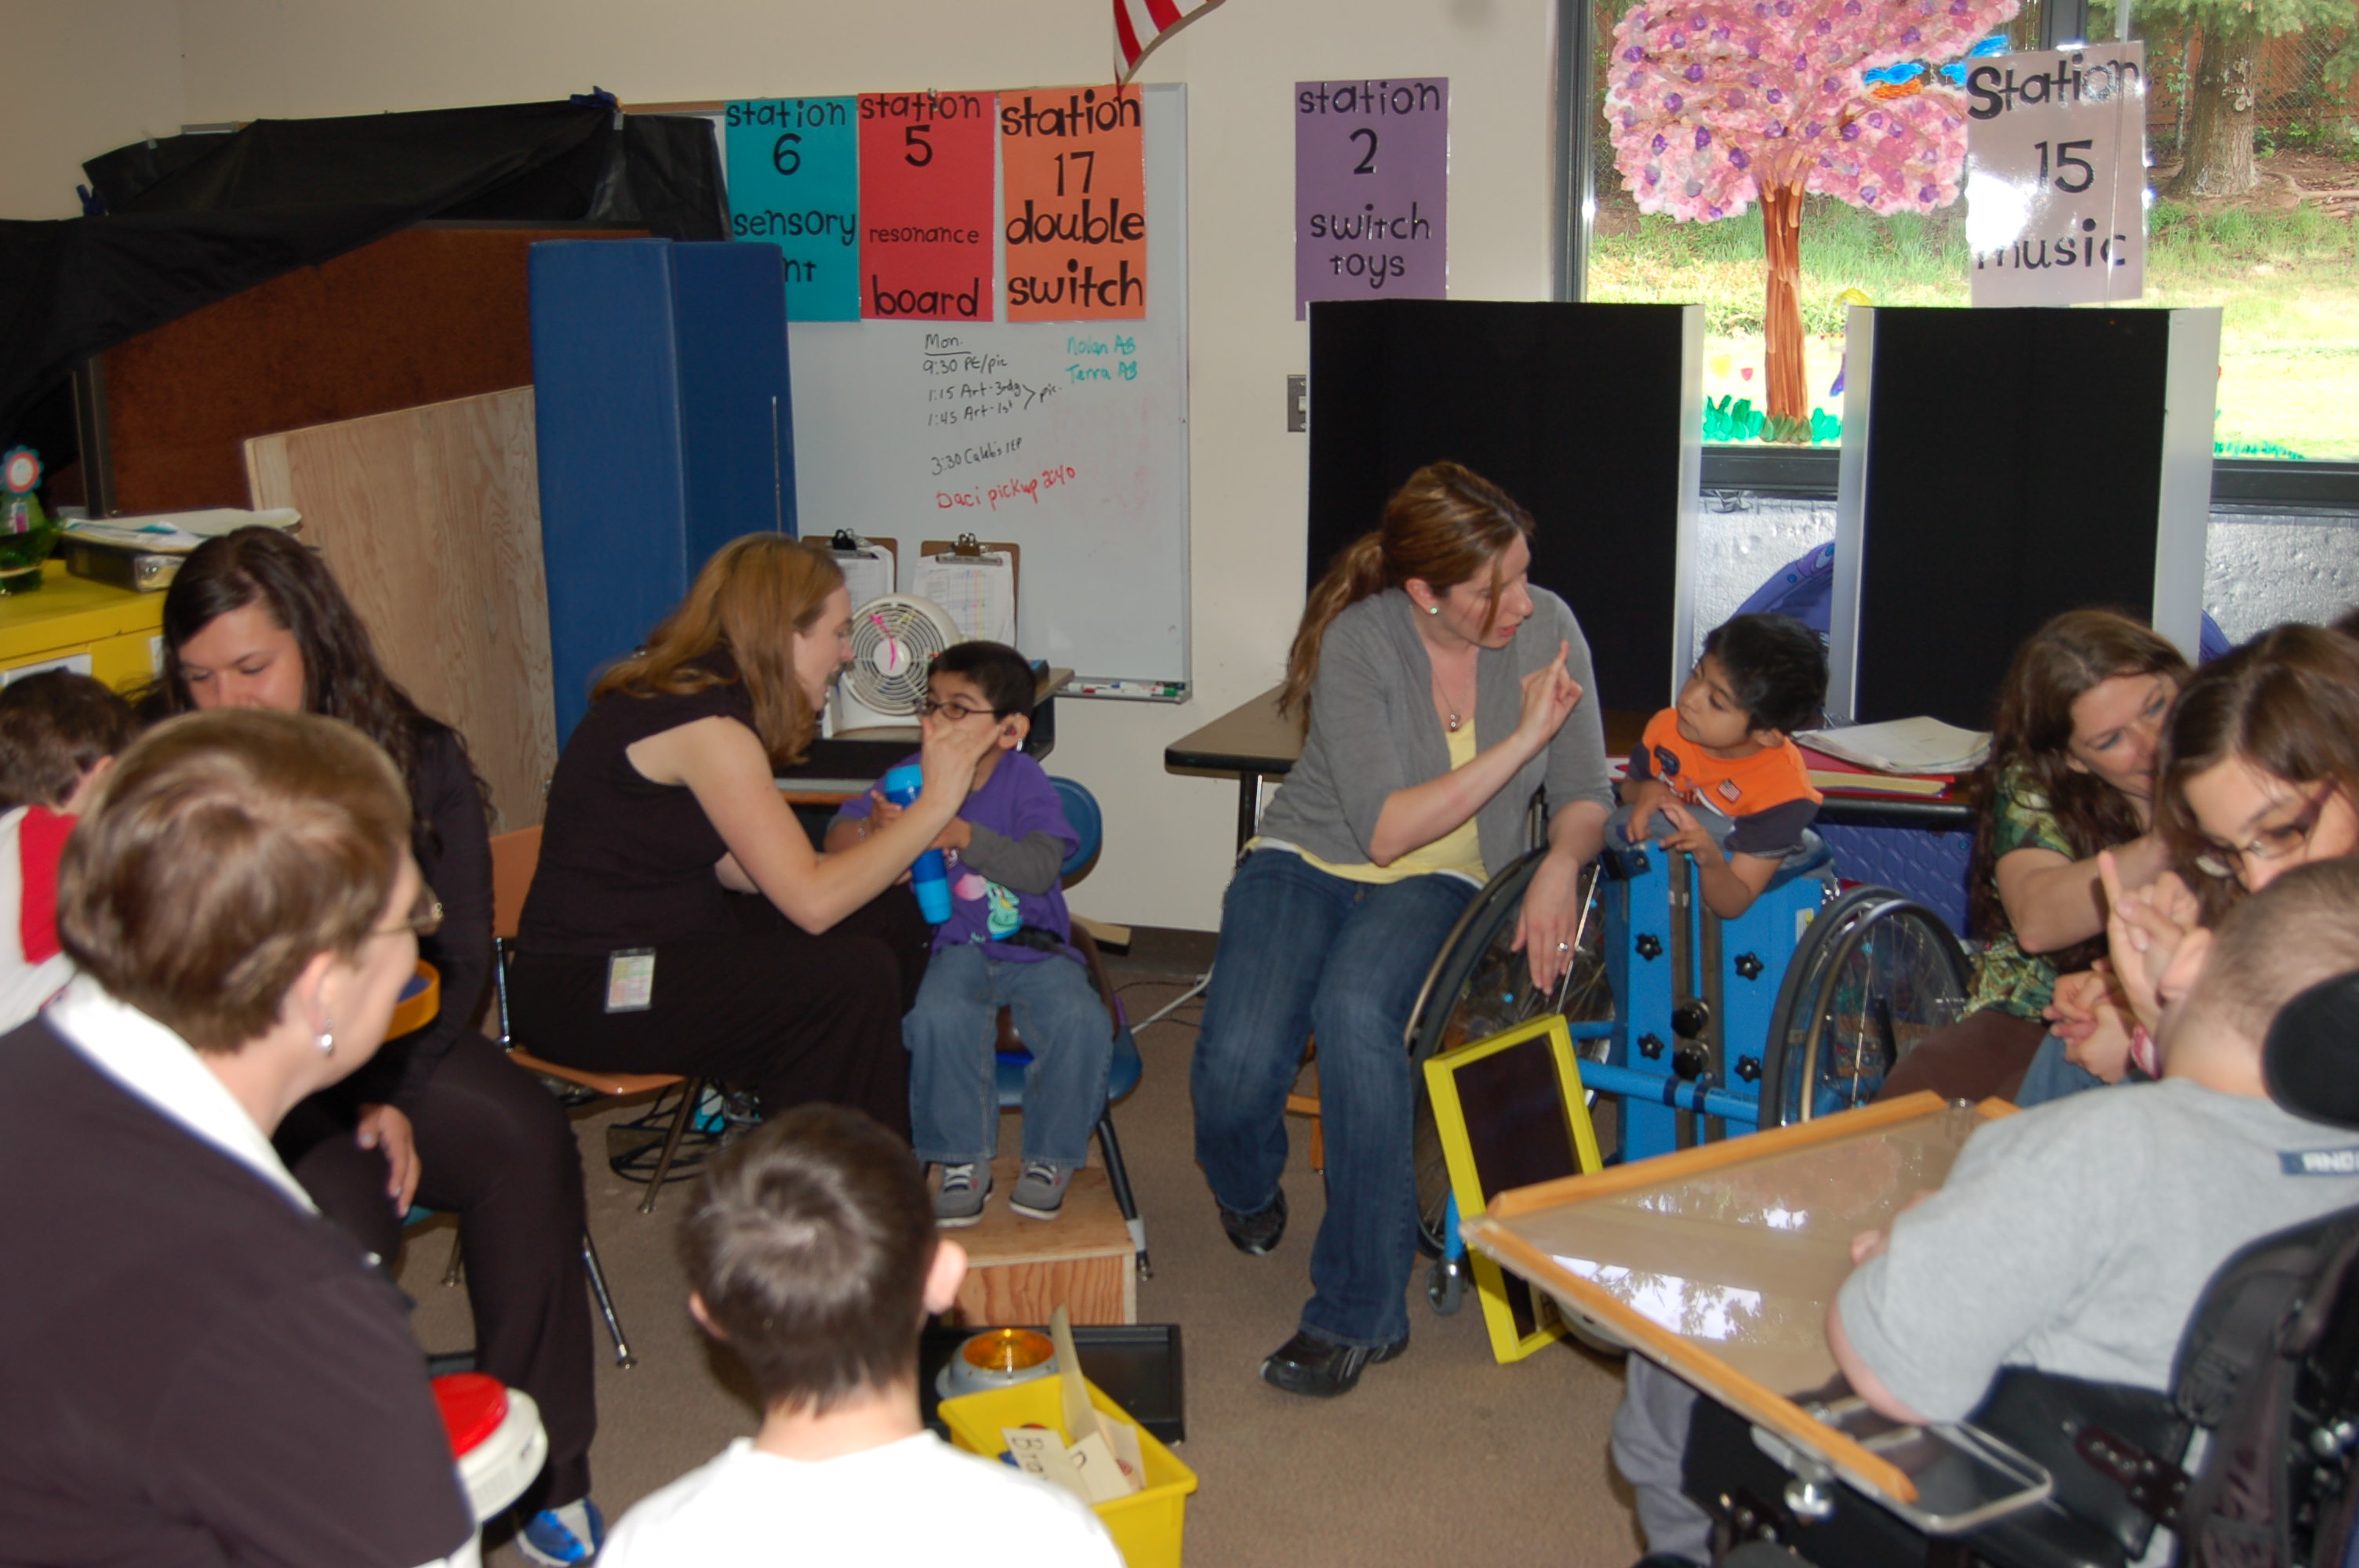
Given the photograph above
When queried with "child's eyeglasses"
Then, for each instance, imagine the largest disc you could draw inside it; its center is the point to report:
(2273, 843)
(425, 916)
(952, 710)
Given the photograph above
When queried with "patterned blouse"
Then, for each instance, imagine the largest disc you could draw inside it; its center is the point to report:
(2006, 976)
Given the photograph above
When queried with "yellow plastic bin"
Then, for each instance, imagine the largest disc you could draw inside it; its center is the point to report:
(1145, 1525)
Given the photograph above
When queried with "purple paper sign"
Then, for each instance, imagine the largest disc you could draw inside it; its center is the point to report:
(1371, 190)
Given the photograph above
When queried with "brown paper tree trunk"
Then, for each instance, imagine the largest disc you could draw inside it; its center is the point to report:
(1781, 229)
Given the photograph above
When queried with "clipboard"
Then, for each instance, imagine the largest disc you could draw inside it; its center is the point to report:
(1691, 1233)
(973, 603)
(851, 550)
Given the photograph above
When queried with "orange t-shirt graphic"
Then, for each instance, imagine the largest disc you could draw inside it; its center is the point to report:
(1768, 794)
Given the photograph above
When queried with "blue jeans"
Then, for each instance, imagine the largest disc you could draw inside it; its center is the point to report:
(952, 1032)
(1303, 952)
(2052, 1076)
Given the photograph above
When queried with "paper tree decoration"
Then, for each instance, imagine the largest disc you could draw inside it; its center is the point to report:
(1714, 105)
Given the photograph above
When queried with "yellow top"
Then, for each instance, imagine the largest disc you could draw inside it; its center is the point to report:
(1459, 850)
(68, 609)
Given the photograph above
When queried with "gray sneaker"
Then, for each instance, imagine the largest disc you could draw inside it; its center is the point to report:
(1040, 1191)
(959, 1201)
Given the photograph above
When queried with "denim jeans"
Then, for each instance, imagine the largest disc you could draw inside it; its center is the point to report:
(2052, 1076)
(952, 1032)
(1303, 952)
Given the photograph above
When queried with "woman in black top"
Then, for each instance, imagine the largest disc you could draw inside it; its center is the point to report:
(639, 950)
(253, 619)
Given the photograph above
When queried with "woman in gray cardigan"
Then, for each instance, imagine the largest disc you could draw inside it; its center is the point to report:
(1439, 691)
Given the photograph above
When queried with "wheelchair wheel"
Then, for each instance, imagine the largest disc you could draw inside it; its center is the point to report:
(1478, 986)
(1874, 974)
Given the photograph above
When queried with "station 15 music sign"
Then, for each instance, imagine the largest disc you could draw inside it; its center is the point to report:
(2056, 176)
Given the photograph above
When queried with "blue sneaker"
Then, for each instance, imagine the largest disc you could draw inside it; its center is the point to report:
(557, 1537)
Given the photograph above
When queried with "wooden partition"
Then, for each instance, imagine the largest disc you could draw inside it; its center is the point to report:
(430, 518)
(423, 316)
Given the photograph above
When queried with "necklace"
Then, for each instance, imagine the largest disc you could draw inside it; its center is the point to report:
(1454, 720)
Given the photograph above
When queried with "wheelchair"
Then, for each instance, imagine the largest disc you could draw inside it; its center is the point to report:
(1697, 1027)
(2056, 1472)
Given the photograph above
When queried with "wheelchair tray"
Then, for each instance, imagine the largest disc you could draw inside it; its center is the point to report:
(1719, 1262)
(1963, 1477)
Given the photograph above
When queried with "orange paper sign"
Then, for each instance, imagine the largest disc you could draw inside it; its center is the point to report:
(1075, 165)
(925, 206)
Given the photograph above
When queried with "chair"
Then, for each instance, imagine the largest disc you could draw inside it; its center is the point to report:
(1081, 812)
(515, 856)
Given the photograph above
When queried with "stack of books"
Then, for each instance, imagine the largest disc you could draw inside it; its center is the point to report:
(1903, 756)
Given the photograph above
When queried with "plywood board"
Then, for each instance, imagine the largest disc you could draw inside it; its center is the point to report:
(1019, 1269)
(430, 518)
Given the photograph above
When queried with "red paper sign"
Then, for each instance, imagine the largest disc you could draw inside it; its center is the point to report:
(1075, 165)
(925, 206)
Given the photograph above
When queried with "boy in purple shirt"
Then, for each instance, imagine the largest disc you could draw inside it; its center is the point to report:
(1008, 943)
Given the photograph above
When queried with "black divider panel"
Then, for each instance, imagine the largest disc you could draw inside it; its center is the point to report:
(2013, 472)
(1573, 409)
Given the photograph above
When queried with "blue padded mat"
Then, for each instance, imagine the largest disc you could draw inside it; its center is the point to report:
(1929, 867)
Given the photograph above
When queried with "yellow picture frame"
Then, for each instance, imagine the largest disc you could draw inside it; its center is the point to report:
(1492, 1101)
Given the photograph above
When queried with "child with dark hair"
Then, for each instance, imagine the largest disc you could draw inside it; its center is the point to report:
(812, 1255)
(1008, 943)
(58, 735)
(1719, 767)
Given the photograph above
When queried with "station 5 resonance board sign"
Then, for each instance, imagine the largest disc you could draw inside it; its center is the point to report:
(2056, 176)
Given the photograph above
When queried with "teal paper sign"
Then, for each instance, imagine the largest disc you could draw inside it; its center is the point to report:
(794, 180)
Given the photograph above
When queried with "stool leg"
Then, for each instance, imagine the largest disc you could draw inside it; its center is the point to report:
(623, 1357)
(1118, 1178)
(689, 1093)
(458, 1267)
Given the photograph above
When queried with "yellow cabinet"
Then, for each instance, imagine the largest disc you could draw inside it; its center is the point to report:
(96, 628)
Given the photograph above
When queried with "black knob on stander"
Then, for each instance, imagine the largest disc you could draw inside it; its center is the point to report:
(1750, 966)
(1748, 1068)
(1650, 1045)
(1689, 1062)
(1649, 946)
(1691, 1019)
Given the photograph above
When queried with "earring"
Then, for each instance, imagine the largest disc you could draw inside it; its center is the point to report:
(1433, 610)
(327, 1039)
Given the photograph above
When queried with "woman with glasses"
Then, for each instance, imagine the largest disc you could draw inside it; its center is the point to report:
(201, 1369)
(2259, 775)
(440, 1118)
(681, 921)
(2071, 772)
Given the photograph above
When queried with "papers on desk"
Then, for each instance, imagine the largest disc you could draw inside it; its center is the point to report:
(175, 533)
(1904, 746)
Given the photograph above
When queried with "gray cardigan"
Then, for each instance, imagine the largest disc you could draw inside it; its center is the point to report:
(1374, 731)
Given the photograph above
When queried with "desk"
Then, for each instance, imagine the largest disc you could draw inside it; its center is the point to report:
(93, 628)
(1256, 742)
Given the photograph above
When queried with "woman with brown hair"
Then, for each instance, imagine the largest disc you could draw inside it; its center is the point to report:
(1439, 690)
(638, 951)
(255, 621)
(2070, 773)
(202, 1369)
(2259, 774)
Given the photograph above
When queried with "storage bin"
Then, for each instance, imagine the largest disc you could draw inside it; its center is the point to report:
(1147, 1525)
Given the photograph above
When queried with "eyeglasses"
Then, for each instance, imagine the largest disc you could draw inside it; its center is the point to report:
(950, 709)
(425, 916)
(2273, 843)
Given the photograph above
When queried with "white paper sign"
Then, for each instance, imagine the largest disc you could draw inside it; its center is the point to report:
(2056, 176)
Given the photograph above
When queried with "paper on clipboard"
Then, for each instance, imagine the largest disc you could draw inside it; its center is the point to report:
(868, 568)
(979, 591)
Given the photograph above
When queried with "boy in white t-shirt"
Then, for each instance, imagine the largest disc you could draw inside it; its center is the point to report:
(812, 1255)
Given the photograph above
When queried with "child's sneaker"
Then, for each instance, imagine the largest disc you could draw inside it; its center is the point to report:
(959, 1201)
(558, 1537)
(1040, 1191)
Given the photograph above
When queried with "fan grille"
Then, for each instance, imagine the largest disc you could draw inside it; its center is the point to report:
(893, 642)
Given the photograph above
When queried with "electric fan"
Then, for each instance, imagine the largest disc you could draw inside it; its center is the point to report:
(894, 638)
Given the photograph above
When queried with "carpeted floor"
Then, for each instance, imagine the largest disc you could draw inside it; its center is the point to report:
(1444, 1456)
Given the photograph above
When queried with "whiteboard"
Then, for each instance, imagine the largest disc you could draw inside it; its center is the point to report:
(1030, 433)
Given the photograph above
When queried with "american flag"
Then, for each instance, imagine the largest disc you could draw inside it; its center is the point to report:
(1140, 25)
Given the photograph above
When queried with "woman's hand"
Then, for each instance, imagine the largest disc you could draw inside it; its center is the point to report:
(1549, 695)
(1549, 920)
(384, 1128)
(950, 752)
(2144, 928)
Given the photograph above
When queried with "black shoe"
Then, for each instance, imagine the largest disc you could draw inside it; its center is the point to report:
(1256, 1235)
(1322, 1368)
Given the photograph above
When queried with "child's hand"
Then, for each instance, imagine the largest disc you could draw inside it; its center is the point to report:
(1687, 833)
(2144, 928)
(1550, 697)
(1641, 798)
(881, 810)
(2102, 1045)
(2073, 1009)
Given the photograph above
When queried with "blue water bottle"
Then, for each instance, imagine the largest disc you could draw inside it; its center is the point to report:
(929, 878)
